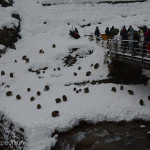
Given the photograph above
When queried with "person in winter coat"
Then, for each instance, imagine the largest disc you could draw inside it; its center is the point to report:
(131, 30)
(112, 28)
(113, 31)
(141, 34)
(107, 32)
(141, 41)
(147, 39)
(76, 30)
(130, 38)
(135, 40)
(97, 34)
(145, 29)
(124, 35)
(74, 34)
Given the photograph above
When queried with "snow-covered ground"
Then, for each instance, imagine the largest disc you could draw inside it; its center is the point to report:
(100, 103)
(80, 1)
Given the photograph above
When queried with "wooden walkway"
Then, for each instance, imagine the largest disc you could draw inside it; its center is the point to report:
(129, 52)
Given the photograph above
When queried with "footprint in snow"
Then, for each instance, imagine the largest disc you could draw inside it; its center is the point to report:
(56, 74)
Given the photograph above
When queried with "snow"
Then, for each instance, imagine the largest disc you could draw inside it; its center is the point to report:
(77, 1)
(1, 46)
(142, 126)
(97, 105)
(6, 19)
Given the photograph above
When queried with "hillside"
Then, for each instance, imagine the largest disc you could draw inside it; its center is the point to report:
(40, 28)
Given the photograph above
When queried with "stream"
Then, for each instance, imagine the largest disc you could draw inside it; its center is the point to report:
(106, 136)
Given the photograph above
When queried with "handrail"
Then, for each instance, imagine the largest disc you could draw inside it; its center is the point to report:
(130, 49)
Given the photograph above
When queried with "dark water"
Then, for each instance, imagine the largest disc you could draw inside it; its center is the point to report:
(106, 136)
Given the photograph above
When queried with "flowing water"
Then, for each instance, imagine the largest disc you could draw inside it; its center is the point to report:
(106, 136)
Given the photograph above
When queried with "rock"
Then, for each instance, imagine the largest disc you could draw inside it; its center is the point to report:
(80, 90)
(6, 3)
(123, 70)
(21, 129)
(30, 70)
(88, 73)
(9, 93)
(15, 61)
(8, 36)
(28, 89)
(86, 143)
(18, 97)
(91, 65)
(53, 45)
(32, 98)
(16, 16)
(74, 89)
(43, 71)
(38, 93)
(57, 100)
(113, 89)
(96, 66)
(121, 123)
(58, 68)
(121, 87)
(11, 75)
(37, 71)
(45, 68)
(93, 82)
(86, 90)
(2, 73)
(130, 92)
(13, 46)
(54, 69)
(2, 83)
(79, 68)
(46, 88)
(64, 97)
(141, 102)
(7, 86)
(149, 98)
(55, 113)
(77, 91)
(105, 146)
(70, 60)
(75, 74)
(38, 106)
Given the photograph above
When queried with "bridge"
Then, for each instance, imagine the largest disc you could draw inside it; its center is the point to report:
(129, 52)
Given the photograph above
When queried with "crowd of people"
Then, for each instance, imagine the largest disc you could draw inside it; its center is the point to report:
(131, 39)
(137, 39)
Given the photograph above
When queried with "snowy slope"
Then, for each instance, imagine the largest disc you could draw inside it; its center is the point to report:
(100, 103)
